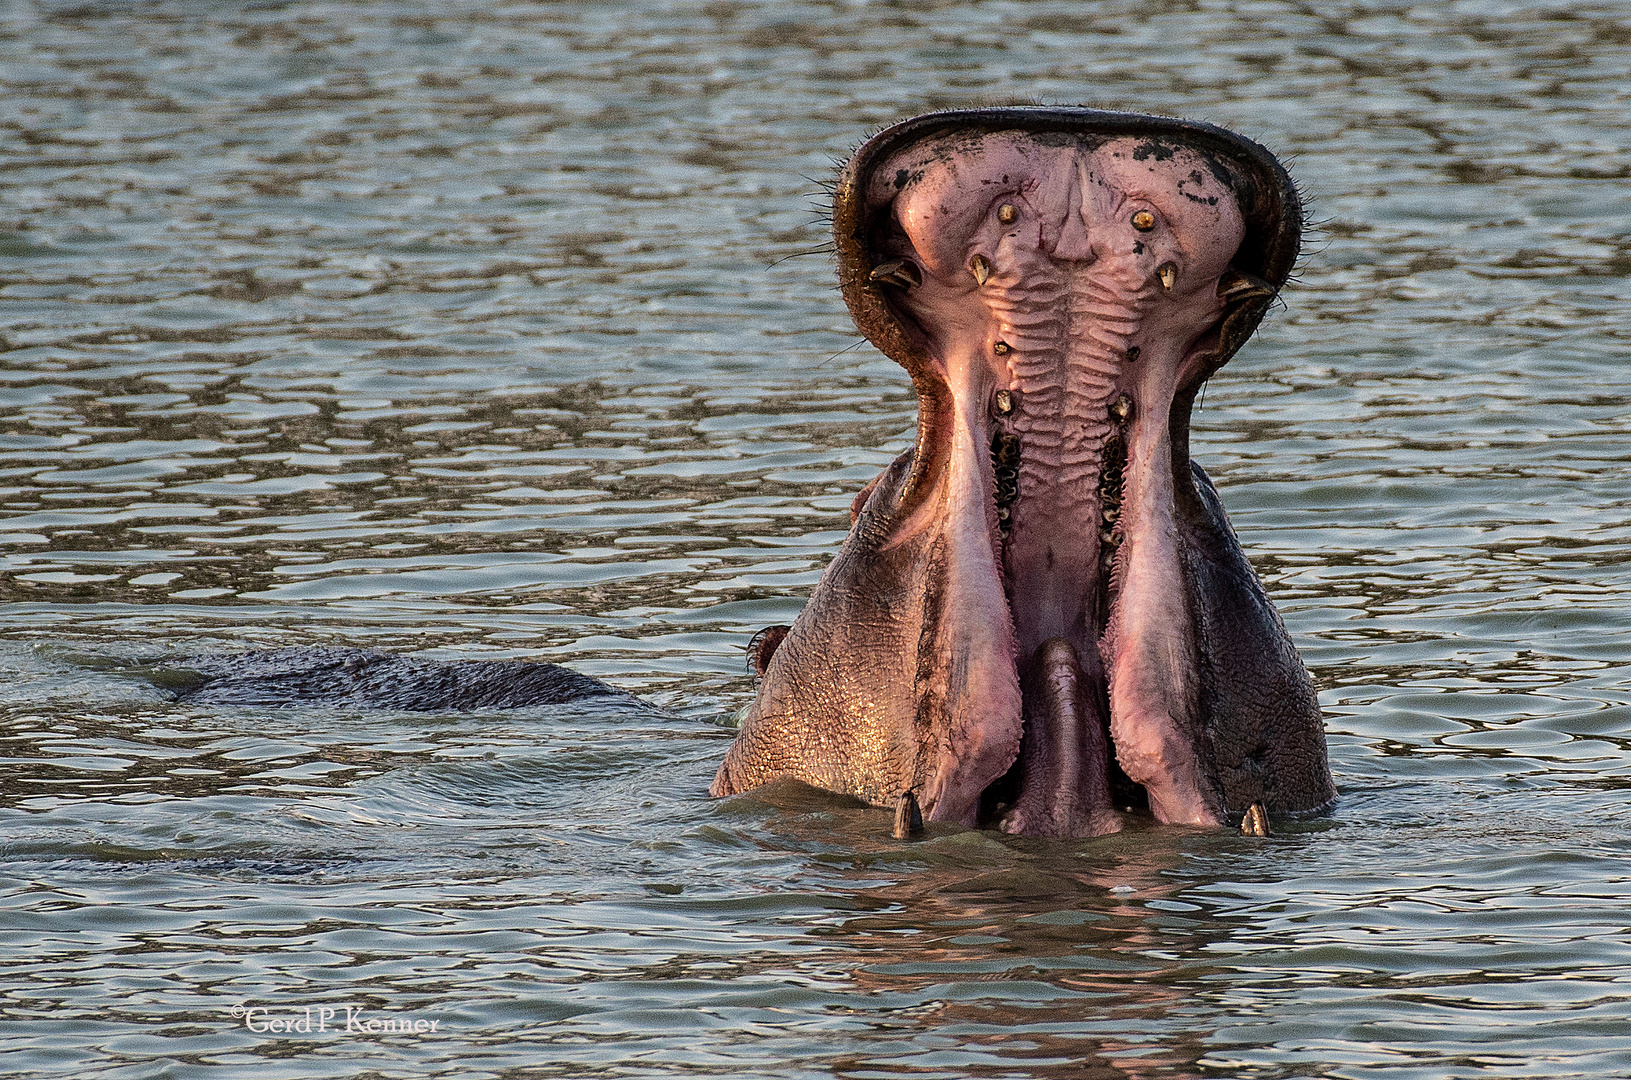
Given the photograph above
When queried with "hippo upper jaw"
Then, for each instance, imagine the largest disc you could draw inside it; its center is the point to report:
(1026, 625)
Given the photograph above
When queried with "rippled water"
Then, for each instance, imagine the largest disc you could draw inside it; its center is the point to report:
(476, 329)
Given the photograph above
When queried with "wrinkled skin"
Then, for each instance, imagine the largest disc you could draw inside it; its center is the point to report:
(1041, 613)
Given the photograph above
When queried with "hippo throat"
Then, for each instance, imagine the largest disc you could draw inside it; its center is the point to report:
(1058, 298)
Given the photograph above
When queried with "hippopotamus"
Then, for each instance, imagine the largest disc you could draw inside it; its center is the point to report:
(373, 679)
(1041, 618)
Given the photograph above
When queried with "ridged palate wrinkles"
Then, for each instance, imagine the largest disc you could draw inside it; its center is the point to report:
(1069, 331)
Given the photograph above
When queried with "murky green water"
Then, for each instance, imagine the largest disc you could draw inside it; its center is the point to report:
(475, 329)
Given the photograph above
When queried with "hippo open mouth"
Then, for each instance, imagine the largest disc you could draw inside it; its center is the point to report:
(1041, 613)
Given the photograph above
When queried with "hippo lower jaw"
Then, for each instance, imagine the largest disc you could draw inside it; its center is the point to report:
(1041, 611)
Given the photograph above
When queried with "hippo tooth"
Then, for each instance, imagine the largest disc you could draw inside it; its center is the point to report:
(901, 272)
(1235, 286)
(908, 817)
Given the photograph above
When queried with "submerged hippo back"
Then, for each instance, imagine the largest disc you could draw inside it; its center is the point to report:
(366, 678)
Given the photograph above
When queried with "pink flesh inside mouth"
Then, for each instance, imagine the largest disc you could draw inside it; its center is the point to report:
(1067, 293)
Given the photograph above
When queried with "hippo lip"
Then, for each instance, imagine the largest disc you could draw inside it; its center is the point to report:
(1270, 205)
(1041, 612)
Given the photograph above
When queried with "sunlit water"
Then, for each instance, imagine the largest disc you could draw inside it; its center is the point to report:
(476, 330)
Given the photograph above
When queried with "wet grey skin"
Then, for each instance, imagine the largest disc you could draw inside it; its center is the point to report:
(370, 679)
(1041, 617)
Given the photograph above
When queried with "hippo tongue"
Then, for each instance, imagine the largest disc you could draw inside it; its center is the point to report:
(1061, 784)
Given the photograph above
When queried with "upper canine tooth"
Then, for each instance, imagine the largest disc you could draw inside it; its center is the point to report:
(1168, 274)
(1237, 285)
(981, 267)
(901, 272)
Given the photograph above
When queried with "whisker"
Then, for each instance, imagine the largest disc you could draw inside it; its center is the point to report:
(824, 249)
(848, 348)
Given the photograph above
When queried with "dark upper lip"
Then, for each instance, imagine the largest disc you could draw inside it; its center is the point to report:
(1271, 207)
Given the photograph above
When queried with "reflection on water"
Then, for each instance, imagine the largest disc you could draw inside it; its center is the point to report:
(505, 330)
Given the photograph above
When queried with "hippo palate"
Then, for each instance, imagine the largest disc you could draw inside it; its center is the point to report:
(1041, 616)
